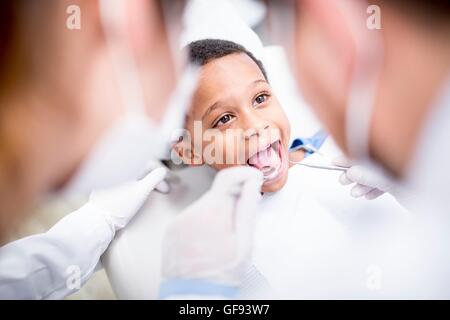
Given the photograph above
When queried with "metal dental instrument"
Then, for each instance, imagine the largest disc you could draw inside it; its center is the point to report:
(320, 166)
(311, 149)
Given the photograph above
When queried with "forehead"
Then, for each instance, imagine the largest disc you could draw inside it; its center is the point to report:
(225, 78)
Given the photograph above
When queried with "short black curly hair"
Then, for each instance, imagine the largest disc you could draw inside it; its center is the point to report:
(203, 51)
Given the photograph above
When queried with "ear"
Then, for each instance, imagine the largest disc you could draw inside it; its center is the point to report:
(186, 153)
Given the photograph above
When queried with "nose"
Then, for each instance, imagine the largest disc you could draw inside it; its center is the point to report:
(254, 123)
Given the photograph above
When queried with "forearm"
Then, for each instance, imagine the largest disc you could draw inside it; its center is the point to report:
(39, 267)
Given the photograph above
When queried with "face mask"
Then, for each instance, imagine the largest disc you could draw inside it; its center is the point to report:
(428, 174)
(361, 99)
(135, 140)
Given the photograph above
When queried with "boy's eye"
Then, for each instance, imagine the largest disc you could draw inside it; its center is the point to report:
(260, 99)
(223, 120)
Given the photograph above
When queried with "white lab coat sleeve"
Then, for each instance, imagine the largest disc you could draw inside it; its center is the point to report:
(57, 263)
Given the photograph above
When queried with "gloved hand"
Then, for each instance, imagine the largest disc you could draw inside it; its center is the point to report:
(368, 183)
(165, 185)
(119, 205)
(212, 239)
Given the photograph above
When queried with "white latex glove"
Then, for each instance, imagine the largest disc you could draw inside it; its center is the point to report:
(165, 185)
(366, 182)
(119, 205)
(212, 239)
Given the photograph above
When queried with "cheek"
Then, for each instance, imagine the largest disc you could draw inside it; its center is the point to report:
(234, 149)
(285, 127)
(279, 119)
(226, 151)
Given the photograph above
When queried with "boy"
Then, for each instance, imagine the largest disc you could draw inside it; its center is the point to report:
(235, 102)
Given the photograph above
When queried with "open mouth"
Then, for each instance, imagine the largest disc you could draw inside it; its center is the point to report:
(268, 160)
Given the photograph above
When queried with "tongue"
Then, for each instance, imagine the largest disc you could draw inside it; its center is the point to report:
(267, 158)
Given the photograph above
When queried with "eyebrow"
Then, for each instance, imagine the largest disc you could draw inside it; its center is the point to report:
(211, 109)
(215, 105)
(259, 81)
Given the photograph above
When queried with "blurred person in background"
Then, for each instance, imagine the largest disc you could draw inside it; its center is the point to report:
(84, 110)
(381, 89)
(59, 98)
(377, 74)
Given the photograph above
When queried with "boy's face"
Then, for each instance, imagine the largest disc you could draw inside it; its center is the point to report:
(236, 106)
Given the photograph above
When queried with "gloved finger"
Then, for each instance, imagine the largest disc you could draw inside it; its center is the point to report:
(149, 182)
(344, 180)
(247, 204)
(375, 193)
(367, 177)
(163, 187)
(245, 215)
(359, 175)
(360, 190)
(170, 178)
(342, 161)
(229, 182)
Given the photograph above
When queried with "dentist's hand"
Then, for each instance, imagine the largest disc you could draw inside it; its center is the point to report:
(212, 239)
(120, 204)
(366, 182)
